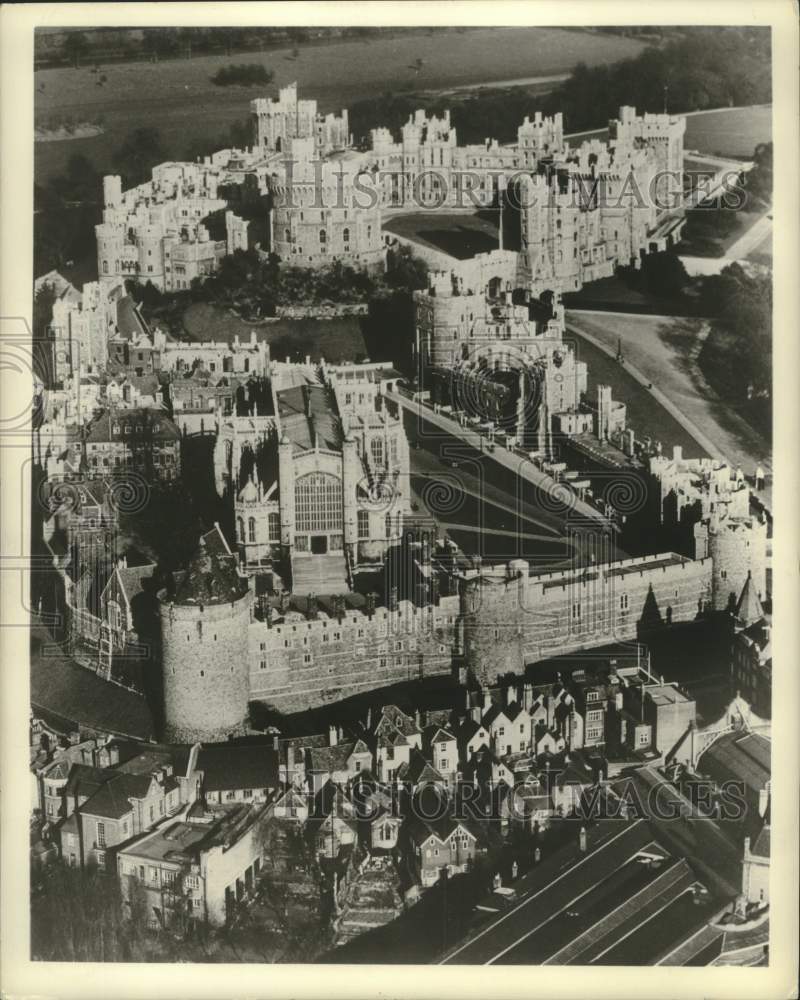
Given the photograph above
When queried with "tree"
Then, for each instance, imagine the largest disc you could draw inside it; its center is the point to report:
(76, 47)
(139, 153)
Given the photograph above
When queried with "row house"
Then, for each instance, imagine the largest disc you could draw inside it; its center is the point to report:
(228, 773)
(105, 807)
(338, 762)
(447, 844)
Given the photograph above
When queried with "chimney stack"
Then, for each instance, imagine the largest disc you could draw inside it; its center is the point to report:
(332, 737)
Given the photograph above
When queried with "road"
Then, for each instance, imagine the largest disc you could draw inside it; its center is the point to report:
(663, 350)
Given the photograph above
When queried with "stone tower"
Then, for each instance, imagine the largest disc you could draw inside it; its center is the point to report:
(494, 606)
(204, 629)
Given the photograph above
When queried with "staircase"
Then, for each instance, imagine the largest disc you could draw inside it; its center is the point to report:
(319, 575)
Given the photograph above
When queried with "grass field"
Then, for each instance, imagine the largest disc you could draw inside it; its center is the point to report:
(731, 132)
(178, 97)
(460, 235)
(339, 339)
(665, 350)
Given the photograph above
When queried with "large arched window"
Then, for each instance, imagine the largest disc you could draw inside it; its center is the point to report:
(274, 527)
(376, 448)
(318, 502)
(251, 529)
(240, 528)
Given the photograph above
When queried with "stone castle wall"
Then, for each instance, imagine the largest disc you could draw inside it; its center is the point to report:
(295, 665)
(511, 619)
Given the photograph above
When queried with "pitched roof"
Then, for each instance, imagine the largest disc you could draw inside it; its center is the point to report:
(418, 770)
(73, 694)
(398, 718)
(132, 578)
(333, 758)
(227, 767)
(748, 608)
(744, 756)
(762, 845)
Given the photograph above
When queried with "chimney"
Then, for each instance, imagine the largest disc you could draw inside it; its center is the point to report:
(527, 697)
(417, 718)
(582, 840)
(487, 700)
(275, 743)
(511, 695)
(369, 718)
(332, 739)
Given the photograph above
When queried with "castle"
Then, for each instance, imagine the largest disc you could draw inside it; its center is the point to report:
(583, 211)
(222, 647)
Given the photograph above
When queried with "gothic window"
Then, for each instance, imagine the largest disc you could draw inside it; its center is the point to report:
(274, 527)
(323, 237)
(251, 529)
(363, 524)
(318, 502)
(376, 448)
(240, 528)
(388, 525)
(346, 235)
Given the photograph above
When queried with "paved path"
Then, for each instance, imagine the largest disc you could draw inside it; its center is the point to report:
(663, 350)
(746, 244)
(556, 493)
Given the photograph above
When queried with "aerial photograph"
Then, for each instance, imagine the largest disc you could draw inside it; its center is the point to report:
(402, 495)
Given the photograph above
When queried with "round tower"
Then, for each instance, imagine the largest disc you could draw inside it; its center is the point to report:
(494, 608)
(204, 630)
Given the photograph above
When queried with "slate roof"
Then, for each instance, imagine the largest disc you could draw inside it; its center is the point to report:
(73, 694)
(398, 718)
(744, 756)
(308, 417)
(762, 845)
(157, 426)
(227, 768)
(333, 758)
(132, 578)
(130, 322)
(418, 770)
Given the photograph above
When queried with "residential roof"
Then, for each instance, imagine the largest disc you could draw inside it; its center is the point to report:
(334, 758)
(226, 767)
(418, 770)
(155, 427)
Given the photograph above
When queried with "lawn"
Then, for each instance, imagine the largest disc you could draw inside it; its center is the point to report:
(458, 234)
(167, 95)
(339, 339)
(731, 132)
(666, 350)
(703, 236)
